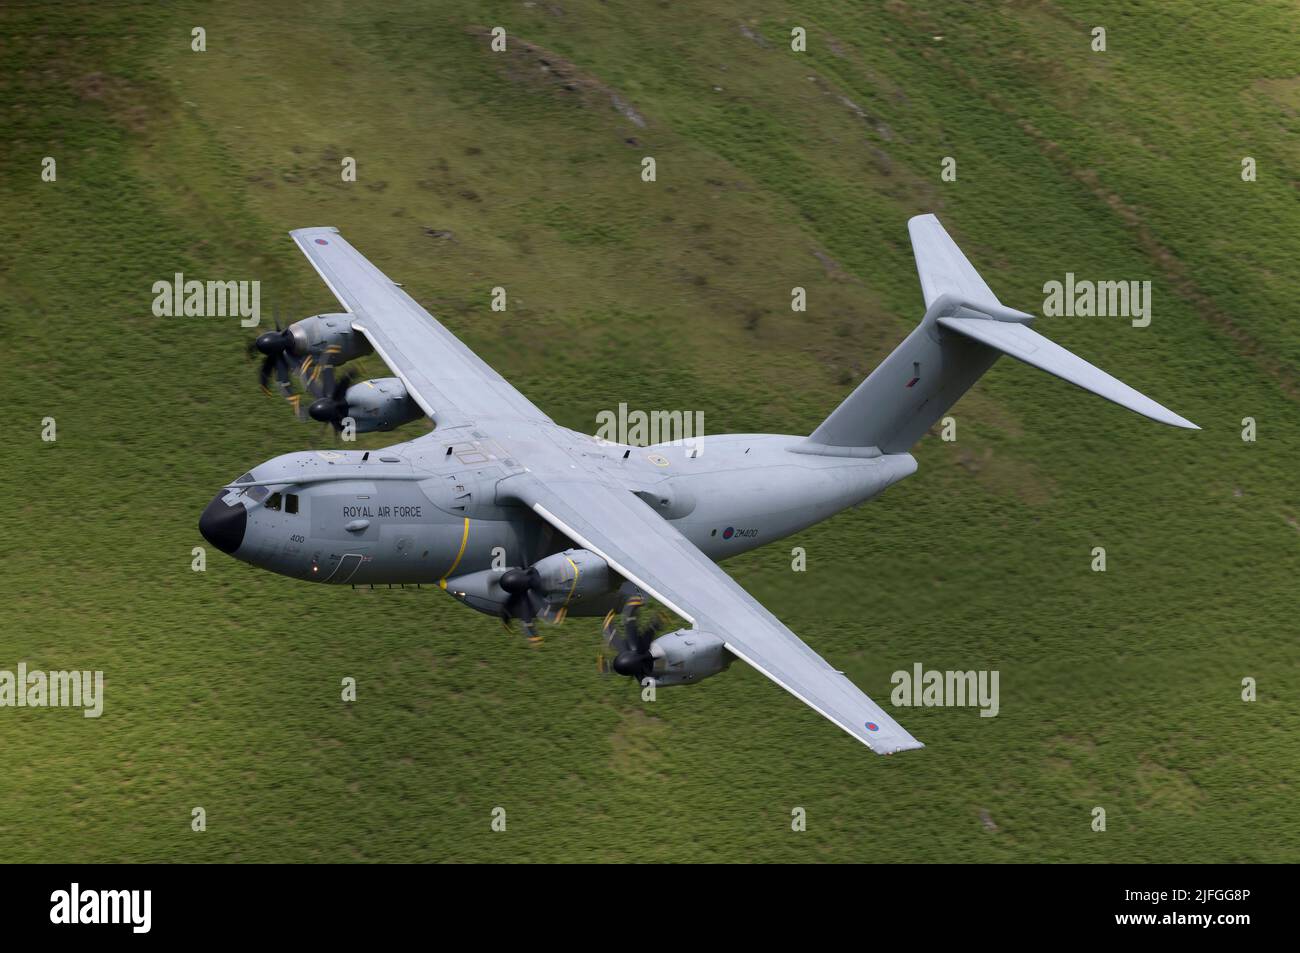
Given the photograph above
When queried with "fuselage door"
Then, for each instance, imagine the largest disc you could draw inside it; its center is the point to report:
(345, 569)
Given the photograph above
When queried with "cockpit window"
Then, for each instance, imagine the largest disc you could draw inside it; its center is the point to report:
(273, 502)
(246, 478)
(291, 503)
(258, 493)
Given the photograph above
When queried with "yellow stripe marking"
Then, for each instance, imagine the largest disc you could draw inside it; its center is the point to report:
(463, 540)
(574, 588)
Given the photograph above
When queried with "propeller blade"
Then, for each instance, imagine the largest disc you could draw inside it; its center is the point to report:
(520, 607)
(322, 381)
(647, 635)
(295, 401)
(530, 631)
(611, 634)
(526, 600)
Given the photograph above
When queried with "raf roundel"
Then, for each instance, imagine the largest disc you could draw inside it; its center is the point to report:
(728, 532)
(321, 241)
(872, 726)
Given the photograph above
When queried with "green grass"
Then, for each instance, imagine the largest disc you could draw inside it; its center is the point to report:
(775, 169)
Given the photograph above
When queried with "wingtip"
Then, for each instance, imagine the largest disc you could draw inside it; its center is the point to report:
(913, 746)
(295, 232)
(907, 743)
(1174, 420)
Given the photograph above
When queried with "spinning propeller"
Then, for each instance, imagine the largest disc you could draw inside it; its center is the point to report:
(630, 642)
(277, 350)
(333, 410)
(279, 361)
(527, 600)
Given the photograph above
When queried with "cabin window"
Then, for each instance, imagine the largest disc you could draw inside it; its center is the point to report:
(272, 502)
(291, 503)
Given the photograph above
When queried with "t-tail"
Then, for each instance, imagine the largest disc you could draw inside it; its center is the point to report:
(965, 329)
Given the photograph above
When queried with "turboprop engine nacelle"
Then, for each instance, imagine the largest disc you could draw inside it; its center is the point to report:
(380, 404)
(560, 581)
(328, 338)
(688, 655)
(573, 576)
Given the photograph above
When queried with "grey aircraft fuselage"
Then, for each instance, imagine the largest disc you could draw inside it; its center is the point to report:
(428, 509)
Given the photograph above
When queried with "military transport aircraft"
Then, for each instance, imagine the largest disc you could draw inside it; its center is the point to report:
(582, 526)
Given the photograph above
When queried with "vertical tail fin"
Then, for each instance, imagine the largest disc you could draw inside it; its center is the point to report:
(943, 269)
(964, 331)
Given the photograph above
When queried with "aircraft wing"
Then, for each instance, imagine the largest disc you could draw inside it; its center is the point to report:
(410, 340)
(644, 548)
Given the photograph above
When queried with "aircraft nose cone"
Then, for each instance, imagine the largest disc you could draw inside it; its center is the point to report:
(223, 526)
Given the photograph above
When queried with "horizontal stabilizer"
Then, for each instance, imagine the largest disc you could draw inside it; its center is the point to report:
(1026, 344)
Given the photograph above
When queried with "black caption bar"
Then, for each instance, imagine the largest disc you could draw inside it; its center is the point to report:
(140, 904)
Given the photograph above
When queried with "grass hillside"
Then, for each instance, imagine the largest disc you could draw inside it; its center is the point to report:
(775, 169)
